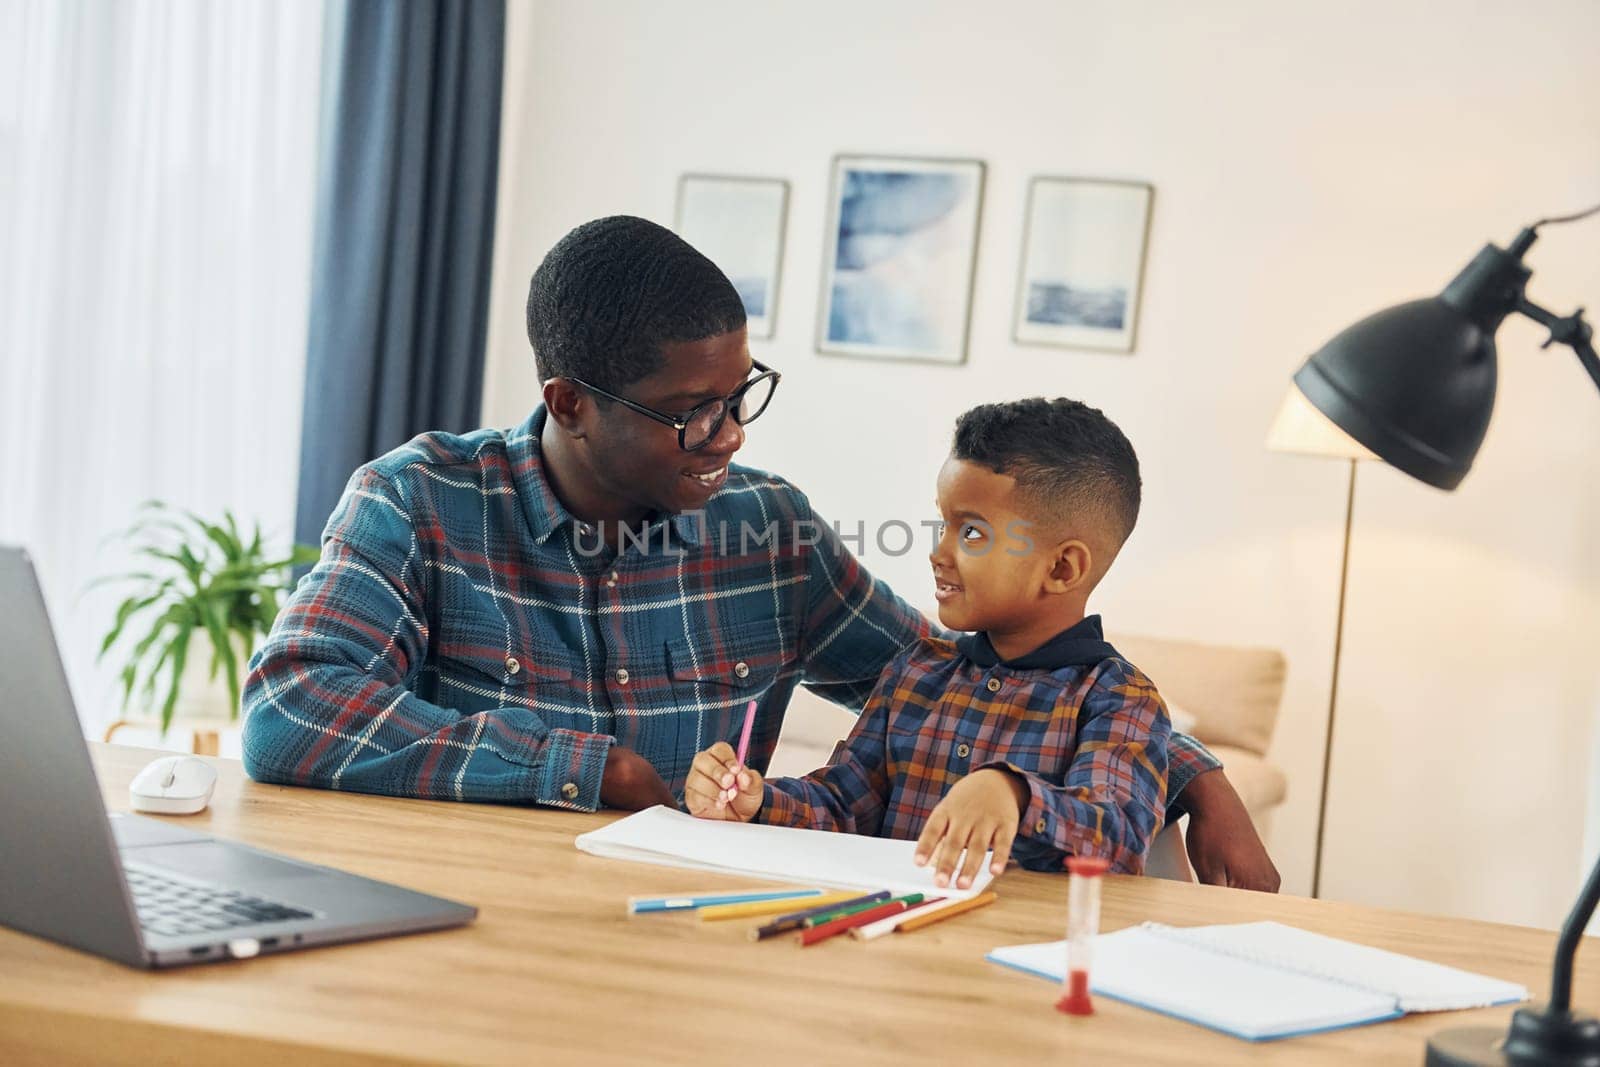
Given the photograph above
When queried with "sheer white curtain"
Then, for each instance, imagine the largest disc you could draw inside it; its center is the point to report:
(157, 165)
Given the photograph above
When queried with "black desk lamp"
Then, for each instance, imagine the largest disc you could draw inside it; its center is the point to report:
(1415, 384)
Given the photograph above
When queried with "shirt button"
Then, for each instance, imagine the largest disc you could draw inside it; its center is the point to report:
(570, 791)
(512, 666)
(1039, 826)
(963, 751)
(622, 677)
(611, 582)
(742, 669)
(994, 685)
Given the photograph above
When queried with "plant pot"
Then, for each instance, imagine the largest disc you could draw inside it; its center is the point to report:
(201, 697)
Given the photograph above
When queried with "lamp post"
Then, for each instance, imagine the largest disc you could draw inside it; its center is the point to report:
(1302, 429)
(1415, 384)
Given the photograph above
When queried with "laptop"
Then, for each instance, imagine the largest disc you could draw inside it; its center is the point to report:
(146, 892)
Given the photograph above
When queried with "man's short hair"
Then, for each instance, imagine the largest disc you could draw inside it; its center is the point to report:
(1068, 459)
(612, 292)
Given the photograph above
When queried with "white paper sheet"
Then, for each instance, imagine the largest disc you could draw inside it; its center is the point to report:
(780, 853)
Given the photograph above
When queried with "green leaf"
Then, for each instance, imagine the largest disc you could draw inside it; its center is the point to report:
(222, 651)
(174, 557)
(167, 618)
(151, 515)
(227, 542)
(129, 676)
(112, 579)
(147, 689)
(126, 611)
(267, 612)
(180, 653)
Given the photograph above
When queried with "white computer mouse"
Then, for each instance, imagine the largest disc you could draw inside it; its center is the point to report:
(173, 785)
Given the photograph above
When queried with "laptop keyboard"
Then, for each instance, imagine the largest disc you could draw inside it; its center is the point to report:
(175, 908)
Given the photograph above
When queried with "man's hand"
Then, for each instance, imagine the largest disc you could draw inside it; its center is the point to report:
(1223, 844)
(631, 782)
(978, 814)
(719, 788)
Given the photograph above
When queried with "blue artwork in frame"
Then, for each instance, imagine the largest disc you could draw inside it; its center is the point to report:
(898, 267)
(1082, 263)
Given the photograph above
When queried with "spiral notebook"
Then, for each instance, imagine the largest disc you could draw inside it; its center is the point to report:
(780, 853)
(1263, 980)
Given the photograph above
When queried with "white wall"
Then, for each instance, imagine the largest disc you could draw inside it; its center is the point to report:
(1310, 167)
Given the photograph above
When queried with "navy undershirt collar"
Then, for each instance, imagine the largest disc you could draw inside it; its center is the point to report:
(1083, 645)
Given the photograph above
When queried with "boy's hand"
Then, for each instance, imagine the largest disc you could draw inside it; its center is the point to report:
(980, 813)
(718, 788)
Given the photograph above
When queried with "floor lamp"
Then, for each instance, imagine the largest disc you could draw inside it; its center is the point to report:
(1301, 429)
(1416, 384)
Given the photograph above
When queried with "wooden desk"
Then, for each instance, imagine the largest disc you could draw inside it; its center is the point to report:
(554, 972)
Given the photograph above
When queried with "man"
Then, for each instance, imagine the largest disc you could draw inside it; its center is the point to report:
(566, 613)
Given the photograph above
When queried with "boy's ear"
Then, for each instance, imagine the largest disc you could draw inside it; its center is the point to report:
(1071, 568)
(566, 403)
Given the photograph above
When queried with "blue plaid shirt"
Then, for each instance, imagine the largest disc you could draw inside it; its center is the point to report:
(460, 638)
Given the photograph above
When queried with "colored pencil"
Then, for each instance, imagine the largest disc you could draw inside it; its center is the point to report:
(767, 907)
(846, 922)
(744, 735)
(783, 924)
(694, 901)
(840, 911)
(873, 930)
(949, 909)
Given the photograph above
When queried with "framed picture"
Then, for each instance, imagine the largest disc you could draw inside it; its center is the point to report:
(1082, 263)
(902, 242)
(738, 224)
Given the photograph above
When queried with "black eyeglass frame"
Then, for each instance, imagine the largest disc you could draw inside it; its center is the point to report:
(730, 405)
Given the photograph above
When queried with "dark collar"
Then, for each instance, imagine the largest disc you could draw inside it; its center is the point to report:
(1083, 645)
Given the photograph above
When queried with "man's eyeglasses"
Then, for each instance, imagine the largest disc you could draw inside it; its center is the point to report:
(702, 423)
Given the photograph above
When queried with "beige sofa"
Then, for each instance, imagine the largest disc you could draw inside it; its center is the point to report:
(1231, 695)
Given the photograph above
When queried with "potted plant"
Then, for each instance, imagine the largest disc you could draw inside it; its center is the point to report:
(206, 582)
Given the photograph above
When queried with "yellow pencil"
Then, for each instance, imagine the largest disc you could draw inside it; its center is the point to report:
(941, 912)
(772, 907)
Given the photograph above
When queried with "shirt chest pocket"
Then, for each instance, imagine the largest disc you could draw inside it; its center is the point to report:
(738, 664)
(716, 674)
(477, 669)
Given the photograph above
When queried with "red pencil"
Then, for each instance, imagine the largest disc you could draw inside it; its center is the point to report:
(860, 918)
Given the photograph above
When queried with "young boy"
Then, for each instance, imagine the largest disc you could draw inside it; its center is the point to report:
(1028, 735)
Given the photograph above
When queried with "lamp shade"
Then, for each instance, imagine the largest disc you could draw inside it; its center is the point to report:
(1415, 383)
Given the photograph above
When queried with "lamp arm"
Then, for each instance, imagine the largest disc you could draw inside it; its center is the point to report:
(1569, 330)
(1567, 946)
(1572, 331)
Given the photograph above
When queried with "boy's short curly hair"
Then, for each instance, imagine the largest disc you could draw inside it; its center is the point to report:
(1068, 459)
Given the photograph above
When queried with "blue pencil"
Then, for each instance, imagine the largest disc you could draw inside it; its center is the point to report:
(691, 901)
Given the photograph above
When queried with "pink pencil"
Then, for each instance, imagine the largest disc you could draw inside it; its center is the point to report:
(744, 735)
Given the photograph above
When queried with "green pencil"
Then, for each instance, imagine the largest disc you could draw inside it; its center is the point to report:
(798, 920)
(839, 913)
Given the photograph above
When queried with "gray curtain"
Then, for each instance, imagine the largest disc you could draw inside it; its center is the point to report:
(405, 230)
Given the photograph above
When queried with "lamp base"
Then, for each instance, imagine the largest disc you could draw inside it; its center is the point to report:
(1537, 1036)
